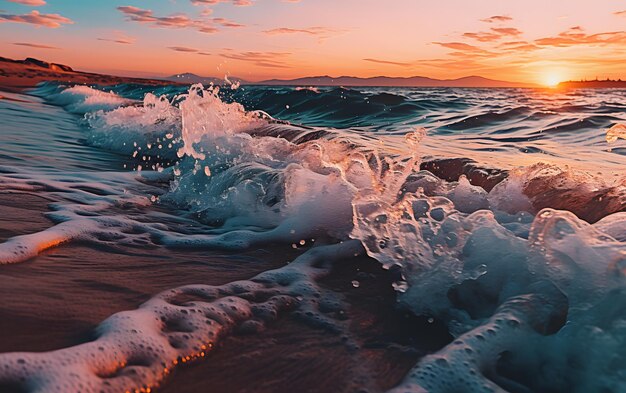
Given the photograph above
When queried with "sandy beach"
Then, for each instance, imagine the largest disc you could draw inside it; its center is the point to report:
(17, 75)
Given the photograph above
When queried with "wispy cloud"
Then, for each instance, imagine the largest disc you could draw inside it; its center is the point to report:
(462, 46)
(577, 36)
(465, 51)
(174, 21)
(183, 49)
(395, 63)
(497, 18)
(510, 31)
(119, 38)
(518, 46)
(32, 3)
(227, 23)
(318, 31)
(36, 46)
(620, 13)
(239, 3)
(38, 19)
(261, 59)
(483, 36)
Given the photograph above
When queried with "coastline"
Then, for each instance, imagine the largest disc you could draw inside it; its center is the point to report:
(18, 75)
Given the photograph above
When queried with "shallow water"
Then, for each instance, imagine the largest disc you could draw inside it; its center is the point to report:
(515, 244)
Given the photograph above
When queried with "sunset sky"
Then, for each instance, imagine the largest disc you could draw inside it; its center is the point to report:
(529, 41)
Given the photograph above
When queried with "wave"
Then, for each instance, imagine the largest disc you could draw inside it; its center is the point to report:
(525, 266)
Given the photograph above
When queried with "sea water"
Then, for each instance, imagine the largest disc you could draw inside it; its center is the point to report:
(501, 213)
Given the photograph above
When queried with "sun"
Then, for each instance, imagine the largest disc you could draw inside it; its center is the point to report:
(552, 80)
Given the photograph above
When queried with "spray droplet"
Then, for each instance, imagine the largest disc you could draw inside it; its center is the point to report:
(400, 286)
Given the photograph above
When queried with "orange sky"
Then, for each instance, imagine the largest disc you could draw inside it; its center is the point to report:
(528, 41)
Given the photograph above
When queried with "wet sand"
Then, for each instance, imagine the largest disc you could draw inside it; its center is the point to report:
(291, 356)
(58, 299)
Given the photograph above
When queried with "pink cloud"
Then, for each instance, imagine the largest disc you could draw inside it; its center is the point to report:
(182, 49)
(318, 31)
(459, 46)
(396, 63)
(510, 31)
(174, 21)
(239, 3)
(577, 36)
(261, 59)
(497, 18)
(518, 46)
(32, 3)
(36, 46)
(36, 18)
(483, 36)
(226, 23)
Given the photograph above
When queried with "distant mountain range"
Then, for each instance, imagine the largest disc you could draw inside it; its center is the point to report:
(382, 81)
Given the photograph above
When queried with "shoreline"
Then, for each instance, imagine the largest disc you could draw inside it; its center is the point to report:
(75, 292)
(17, 76)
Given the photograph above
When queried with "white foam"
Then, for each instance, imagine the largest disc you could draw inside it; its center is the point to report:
(83, 99)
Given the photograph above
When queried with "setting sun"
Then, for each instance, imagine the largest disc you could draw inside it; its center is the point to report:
(552, 80)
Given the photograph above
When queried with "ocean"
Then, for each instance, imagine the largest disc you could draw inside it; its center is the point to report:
(255, 238)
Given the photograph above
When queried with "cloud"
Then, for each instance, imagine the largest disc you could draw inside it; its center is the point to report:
(510, 31)
(319, 31)
(239, 3)
(518, 46)
(36, 18)
(174, 21)
(32, 3)
(576, 36)
(261, 59)
(227, 23)
(483, 36)
(494, 34)
(396, 63)
(117, 41)
(620, 13)
(37, 46)
(497, 18)
(466, 51)
(459, 46)
(120, 38)
(182, 49)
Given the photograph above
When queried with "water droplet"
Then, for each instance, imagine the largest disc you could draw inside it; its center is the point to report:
(400, 286)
